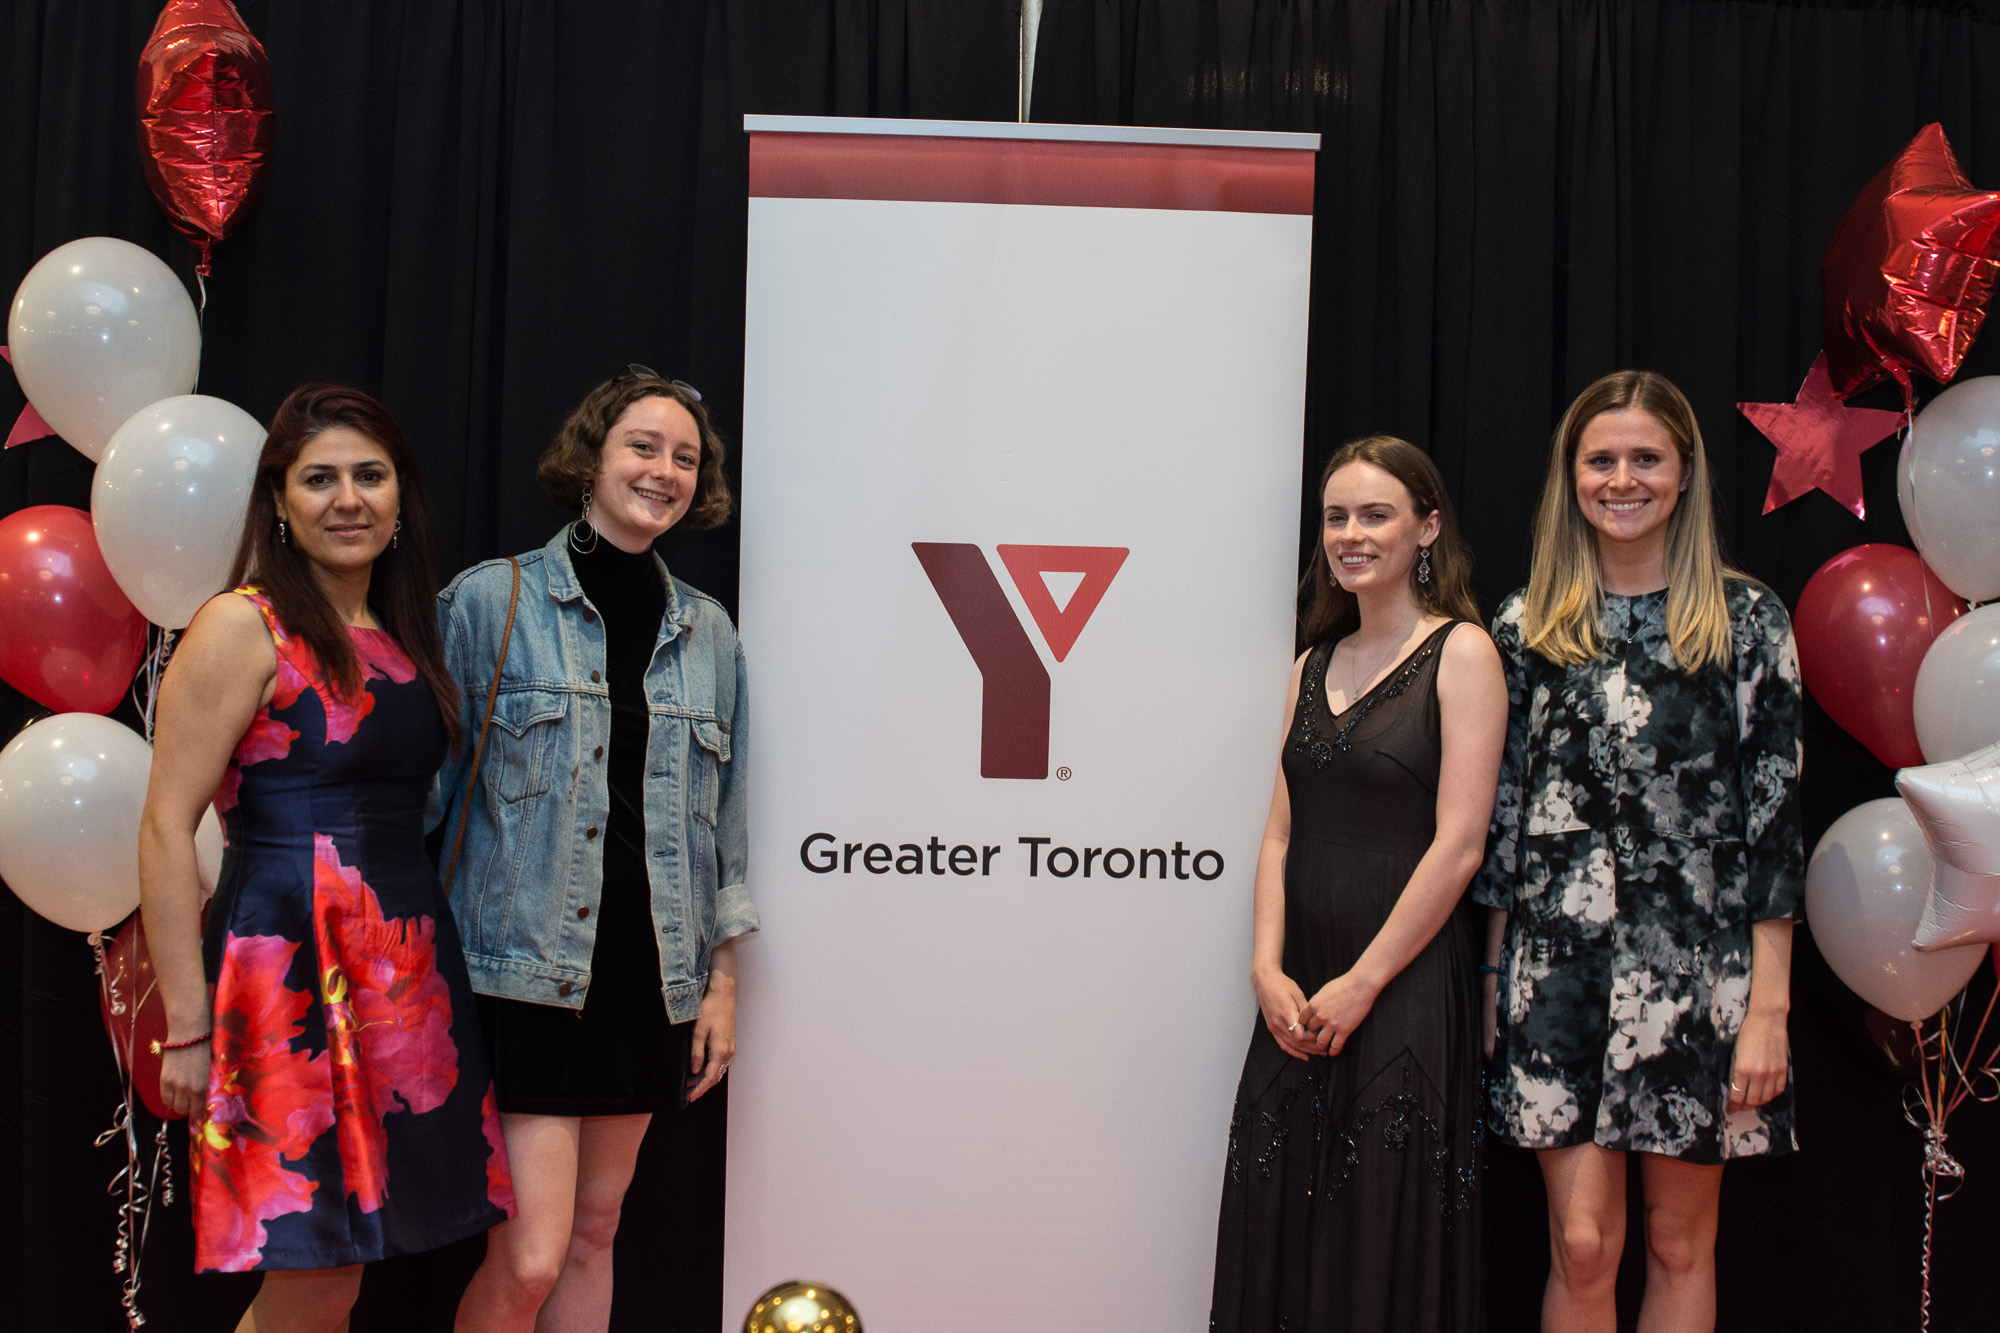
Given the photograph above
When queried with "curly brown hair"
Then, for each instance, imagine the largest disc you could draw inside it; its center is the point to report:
(568, 466)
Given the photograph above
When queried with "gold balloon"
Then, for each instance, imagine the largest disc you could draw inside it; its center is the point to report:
(802, 1307)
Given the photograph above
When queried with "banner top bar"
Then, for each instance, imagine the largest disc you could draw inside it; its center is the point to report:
(1007, 129)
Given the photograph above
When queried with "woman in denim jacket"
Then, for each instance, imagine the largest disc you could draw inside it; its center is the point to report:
(599, 888)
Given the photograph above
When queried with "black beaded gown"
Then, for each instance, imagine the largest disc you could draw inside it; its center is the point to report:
(1350, 1203)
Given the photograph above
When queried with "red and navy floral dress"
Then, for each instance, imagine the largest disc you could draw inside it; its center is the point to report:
(350, 1114)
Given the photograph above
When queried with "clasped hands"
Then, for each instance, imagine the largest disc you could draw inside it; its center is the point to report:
(1321, 1025)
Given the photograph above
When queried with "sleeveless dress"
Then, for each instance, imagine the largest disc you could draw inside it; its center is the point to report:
(1350, 1202)
(349, 1113)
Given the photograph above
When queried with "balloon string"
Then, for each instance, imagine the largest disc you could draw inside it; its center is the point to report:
(1930, 1209)
(146, 687)
(135, 1212)
(1910, 475)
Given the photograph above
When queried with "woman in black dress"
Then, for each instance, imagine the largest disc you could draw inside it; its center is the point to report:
(1350, 1200)
(599, 887)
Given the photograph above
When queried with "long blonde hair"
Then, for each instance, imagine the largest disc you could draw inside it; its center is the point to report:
(1565, 599)
(1330, 608)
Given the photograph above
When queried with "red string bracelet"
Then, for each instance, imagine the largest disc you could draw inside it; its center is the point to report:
(159, 1046)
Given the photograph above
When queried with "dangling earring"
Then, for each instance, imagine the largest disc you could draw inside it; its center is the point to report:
(283, 540)
(396, 537)
(1423, 564)
(581, 526)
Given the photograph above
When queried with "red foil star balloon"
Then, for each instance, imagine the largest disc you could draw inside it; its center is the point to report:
(1909, 271)
(1820, 441)
(204, 117)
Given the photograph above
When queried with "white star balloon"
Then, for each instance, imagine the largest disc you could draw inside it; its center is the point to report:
(1957, 805)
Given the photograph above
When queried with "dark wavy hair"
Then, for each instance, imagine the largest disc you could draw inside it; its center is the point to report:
(402, 588)
(570, 462)
(1331, 609)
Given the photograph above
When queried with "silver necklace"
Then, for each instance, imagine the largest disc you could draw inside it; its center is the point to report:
(1354, 690)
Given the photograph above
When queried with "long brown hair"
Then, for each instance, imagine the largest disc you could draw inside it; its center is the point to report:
(1330, 608)
(1565, 598)
(402, 587)
(569, 465)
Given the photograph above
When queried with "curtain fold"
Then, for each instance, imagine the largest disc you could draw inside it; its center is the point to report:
(475, 209)
(1514, 198)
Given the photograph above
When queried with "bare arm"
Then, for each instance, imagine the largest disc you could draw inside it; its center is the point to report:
(221, 674)
(1763, 1051)
(1472, 704)
(1279, 998)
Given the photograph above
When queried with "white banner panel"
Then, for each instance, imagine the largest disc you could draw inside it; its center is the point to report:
(1020, 501)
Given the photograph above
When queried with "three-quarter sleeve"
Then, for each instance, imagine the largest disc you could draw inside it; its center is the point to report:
(1769, 714)
(1494, 885)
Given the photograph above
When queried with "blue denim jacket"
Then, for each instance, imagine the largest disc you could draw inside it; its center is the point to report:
(533, 860)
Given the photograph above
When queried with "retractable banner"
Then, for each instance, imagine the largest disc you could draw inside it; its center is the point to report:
(1023, 411)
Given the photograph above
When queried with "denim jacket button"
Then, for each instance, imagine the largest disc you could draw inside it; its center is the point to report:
(589, 615)
(564, 988)
(583, 914)
(596, 676)
(590, 832)
(598, 753)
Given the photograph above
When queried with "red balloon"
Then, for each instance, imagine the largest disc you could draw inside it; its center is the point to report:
(135, 1014)
(69, 637)
(204, 117)
(1909, 271)
(1864, 623)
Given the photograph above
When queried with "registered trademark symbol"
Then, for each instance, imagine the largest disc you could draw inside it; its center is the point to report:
(1062, 774)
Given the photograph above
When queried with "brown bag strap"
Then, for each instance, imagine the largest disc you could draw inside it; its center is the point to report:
(492, 694)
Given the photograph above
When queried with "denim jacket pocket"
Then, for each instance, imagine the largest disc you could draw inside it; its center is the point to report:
(709, 752)
(523, 734)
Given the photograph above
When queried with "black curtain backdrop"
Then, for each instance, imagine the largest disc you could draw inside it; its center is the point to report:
(476, 210)
(1514, 199)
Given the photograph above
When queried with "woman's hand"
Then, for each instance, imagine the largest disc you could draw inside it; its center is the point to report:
(1331, 1016)
(1281, 1001)
(714, 1043)
(184, 1078)
(1762, 1061)
(1489, 1011)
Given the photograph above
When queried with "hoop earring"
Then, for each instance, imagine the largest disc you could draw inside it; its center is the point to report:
(580, 526)
(283, 540)
(396, 537)
(1423, 564)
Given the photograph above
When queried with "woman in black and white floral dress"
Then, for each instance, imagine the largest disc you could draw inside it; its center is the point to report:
(1645, 859)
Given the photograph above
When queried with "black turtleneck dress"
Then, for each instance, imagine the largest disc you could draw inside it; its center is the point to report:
(618, 1055)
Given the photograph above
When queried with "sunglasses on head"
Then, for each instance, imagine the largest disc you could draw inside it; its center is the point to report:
(633, 370)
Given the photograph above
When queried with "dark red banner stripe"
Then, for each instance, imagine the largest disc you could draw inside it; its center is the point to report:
(1030, 171)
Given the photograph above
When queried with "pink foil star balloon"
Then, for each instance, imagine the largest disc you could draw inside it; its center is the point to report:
(1820, 441)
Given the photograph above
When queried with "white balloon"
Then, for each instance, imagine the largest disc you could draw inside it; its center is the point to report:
(99, 329)
(1866, 888)
(1964, 908)
(168, 502)
(1957, 697)
(1948, 480)
(71, 789)
(1958, 806)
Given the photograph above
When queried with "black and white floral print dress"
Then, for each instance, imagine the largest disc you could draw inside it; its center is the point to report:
(1647, 817)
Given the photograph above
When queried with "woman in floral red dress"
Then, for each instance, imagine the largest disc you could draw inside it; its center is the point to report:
(321, 1031)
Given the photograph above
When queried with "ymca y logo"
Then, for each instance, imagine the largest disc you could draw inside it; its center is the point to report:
(1014, 696)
